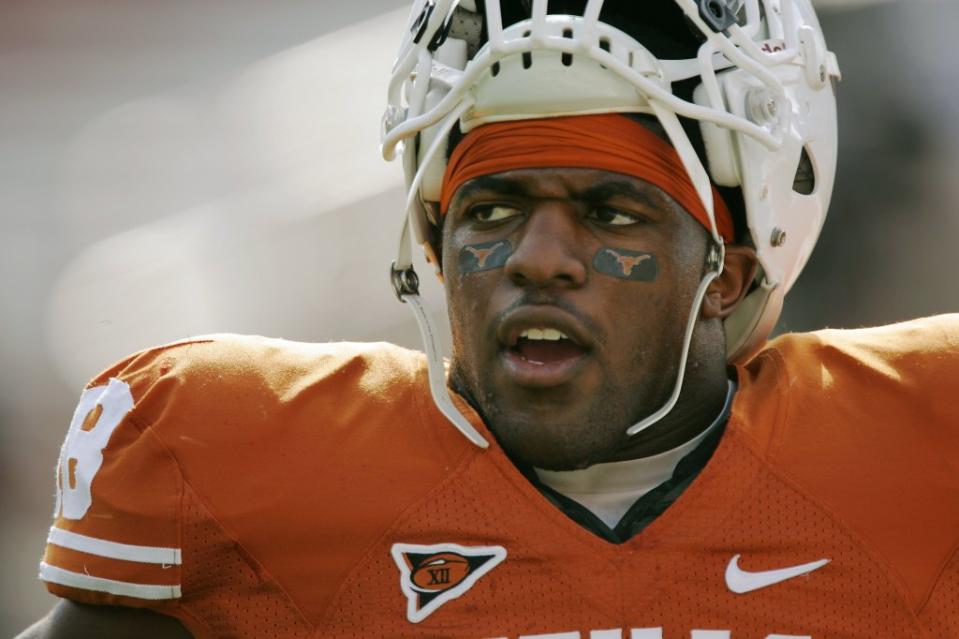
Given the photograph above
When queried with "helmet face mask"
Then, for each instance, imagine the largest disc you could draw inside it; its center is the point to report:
(755, 82)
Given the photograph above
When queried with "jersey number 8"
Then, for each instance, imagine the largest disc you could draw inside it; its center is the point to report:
(100, 411)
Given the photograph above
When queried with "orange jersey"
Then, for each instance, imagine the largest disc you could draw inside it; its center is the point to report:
(262, 488)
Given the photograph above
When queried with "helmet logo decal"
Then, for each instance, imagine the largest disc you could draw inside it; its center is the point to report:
(485, 256)
(433, 575)
(636, 266)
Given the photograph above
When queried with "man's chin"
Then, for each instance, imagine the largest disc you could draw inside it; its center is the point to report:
(549, 428)
(553, 444)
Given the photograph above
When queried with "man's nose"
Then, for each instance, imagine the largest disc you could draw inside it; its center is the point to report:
(547, 253)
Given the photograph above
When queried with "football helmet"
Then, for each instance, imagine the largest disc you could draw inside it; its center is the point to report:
(762, 103)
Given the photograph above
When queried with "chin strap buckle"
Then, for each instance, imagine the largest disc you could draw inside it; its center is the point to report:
(716, 257)
(405, 281)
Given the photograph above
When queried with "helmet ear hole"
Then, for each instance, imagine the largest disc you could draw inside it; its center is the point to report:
(567, 58)
(805, 181)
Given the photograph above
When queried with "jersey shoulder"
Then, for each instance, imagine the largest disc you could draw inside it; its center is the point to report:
(906, 354)
(865, 423)
(231, 386)
(902, 375)
(903, 372)
(224, 445)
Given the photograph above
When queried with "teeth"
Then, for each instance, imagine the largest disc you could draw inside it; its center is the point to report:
(550, 334)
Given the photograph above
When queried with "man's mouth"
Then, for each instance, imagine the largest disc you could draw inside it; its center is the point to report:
(543, 347)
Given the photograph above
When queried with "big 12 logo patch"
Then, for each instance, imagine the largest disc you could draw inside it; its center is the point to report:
(432, 575)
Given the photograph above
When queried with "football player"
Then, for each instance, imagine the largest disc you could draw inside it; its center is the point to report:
(617, 196)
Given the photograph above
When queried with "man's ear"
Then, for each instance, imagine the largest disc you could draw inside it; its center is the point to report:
(726, 291)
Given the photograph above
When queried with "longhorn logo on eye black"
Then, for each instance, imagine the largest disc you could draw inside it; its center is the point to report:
(626, 264)
(484, 256)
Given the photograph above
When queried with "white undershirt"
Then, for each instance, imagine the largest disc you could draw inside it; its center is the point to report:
(608, 490)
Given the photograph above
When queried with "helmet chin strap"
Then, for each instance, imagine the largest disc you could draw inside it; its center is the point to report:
(715, 257)
(715, 260)
(406, 285)
(437, 373)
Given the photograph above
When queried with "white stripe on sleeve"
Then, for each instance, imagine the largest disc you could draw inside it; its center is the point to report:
(112, 549)
(111, 586)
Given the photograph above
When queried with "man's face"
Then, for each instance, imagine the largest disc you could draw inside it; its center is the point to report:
(608, 264)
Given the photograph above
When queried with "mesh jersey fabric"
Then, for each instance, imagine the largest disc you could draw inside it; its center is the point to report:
(293, 478)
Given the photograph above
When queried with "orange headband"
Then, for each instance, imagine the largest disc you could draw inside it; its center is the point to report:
(610, 142)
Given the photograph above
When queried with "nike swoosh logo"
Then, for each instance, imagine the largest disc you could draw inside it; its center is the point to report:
(741, 581)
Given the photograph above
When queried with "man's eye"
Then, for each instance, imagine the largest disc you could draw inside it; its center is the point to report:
(493, 212)
(613, 217)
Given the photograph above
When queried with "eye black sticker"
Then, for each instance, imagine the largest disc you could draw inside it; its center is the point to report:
(484, 256)
(635, 266)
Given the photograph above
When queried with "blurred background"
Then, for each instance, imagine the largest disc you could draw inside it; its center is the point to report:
(177, 168)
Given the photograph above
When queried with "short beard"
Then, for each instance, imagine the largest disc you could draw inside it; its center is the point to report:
(594, 441)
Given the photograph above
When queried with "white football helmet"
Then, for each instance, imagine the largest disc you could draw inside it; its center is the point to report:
(765, 105)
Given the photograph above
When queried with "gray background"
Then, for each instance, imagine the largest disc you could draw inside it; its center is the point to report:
(176, 168)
